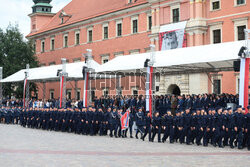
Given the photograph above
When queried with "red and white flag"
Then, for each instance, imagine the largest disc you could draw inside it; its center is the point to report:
(244, 82)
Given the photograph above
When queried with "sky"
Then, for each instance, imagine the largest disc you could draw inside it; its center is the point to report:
(16, 12)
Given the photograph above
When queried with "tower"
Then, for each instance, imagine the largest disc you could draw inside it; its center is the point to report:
(41, 14)
(42, 6)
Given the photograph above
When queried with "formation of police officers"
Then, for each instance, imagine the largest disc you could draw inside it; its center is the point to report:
(201, 122)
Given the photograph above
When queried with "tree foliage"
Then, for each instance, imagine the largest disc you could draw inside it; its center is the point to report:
(15, 53)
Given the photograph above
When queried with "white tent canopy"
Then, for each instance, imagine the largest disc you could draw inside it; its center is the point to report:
(48, 73)
(208, 58)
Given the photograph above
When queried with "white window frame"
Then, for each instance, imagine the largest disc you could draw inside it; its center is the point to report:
(42, 49)
(69, 91)
(132, 19)
(216, 77)
(89, 29)
(103, 26)
(77, 32)
(119, 54)
(215, 26)
(105, 57)
(64, 44)
(51, 91)
(135, 51)
(78, 91)
(75, 60)
(149, 15)
(237, 77)
(116, 25)
(239, 22)
(134, 88)
(235, 3)
(53, 38)
(104, 90)
(211, 5)
(172, 7)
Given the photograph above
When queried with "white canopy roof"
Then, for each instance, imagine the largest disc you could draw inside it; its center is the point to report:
(74, 71)
(207, 58)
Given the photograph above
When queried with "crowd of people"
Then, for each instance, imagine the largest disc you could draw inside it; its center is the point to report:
(190, 119)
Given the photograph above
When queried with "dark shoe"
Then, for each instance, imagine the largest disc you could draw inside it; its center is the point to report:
(232, 146)
(131, 137)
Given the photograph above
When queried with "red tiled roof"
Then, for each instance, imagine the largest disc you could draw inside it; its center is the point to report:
(81, 10)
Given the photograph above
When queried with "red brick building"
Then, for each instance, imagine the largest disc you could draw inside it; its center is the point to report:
(120, 27)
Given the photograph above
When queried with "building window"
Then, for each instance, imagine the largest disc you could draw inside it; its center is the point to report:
(176, 15)
(217, 86)
(119, 54)
(52, 44)
(52, 63)
(90, 35)
(51, 94)
(135, 26)
(105, 58)
(69, 94)
(77, 38)
(135, 51)
(65, 41)
(135, 92)
(240, 2)
(241, 33)
(78, 94)
(105, 32)
(217, 36)
(149, 23)
(43, 46)
(105, 61)
(105, 92)
(76, 60)
(119, 29)
(215, 5)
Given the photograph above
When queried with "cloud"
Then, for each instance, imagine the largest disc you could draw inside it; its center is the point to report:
(16, 12)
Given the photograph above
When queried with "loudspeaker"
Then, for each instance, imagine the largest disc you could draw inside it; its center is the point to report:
(237, 66)
(146, 63)
(242, 51)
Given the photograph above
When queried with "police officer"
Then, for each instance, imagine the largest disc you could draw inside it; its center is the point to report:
(156, 123)
(147, 127)
(139, 117)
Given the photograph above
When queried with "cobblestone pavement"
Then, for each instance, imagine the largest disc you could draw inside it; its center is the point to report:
(23, 147)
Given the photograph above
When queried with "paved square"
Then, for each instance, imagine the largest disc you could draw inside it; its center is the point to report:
(21, 147)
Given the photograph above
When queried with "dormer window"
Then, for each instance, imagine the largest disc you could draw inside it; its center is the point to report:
(64, 16)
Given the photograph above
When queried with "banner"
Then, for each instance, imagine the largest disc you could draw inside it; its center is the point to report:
(172, 39)
(244, 82)
(125, 120)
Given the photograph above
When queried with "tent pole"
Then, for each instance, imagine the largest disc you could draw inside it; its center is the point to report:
(76, 89)
(63, 77)
(26, 88)
(244, 73)
(44, 90)
(87, 83)
(1, 86)
(149, 81)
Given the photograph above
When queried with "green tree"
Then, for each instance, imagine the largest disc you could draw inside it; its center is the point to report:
(15, 53)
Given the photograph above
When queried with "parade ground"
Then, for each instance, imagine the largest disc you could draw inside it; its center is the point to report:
(31, 147)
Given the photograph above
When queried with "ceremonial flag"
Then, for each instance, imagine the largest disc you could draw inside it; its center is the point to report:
(125, 120)
(244, 82)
